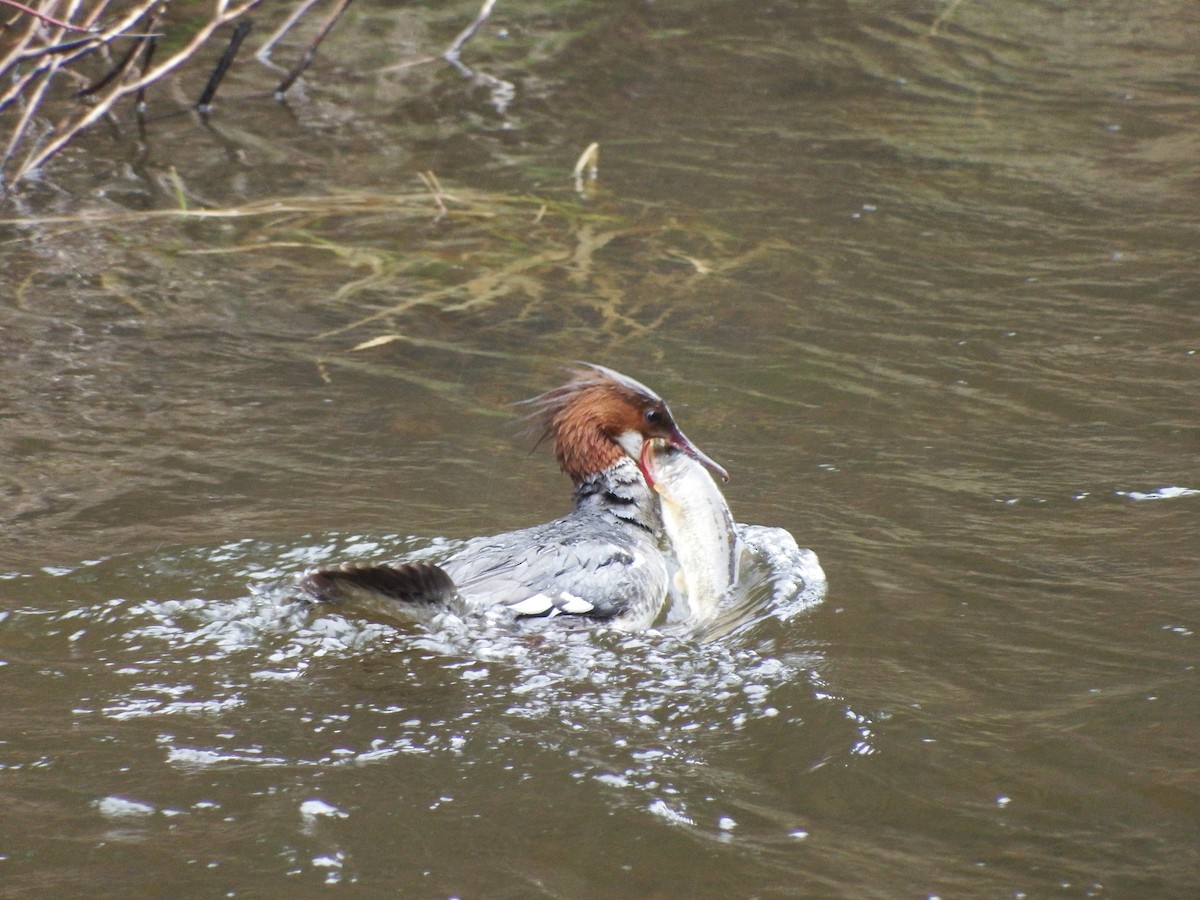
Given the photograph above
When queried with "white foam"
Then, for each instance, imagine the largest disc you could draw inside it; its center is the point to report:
(1163, 493)
(312, 809)
(123, 808)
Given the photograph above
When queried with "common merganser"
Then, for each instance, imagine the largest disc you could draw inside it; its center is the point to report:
(601, 561)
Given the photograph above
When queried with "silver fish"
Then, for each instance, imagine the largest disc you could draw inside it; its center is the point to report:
(700, 527)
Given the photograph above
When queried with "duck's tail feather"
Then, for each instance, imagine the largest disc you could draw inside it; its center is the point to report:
(420, 585)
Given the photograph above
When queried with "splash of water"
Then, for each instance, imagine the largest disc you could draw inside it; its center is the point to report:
(639, 711)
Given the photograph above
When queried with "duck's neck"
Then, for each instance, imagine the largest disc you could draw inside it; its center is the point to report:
(582, 448)
(621, 492)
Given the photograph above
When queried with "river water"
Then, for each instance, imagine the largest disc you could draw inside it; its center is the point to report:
(922, 276)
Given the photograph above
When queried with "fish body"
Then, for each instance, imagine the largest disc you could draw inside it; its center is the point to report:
(700, 528)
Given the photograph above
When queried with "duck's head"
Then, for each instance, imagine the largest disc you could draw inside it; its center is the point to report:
(600, 416)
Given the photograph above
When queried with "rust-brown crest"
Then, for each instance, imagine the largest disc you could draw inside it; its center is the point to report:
(583, 418)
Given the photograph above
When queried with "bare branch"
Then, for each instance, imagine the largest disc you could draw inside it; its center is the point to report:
(49, 20)
(240, 30)
(311, 50)
(227, 12)
(467, 33)
(264, 52)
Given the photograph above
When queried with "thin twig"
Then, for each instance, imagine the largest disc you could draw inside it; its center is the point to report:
(264, 52)
(467, 33)
(240, 30)
(113, 73)
(49, 20)
(587, 166)
(502, 91)
(139, 101)
(310, 51)
(408, 64)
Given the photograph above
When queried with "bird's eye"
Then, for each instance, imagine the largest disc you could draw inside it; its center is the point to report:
(654, 416)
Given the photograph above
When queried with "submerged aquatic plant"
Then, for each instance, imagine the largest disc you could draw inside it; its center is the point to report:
(495, 262)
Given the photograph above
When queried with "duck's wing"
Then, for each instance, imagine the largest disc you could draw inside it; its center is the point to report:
(600, 575)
